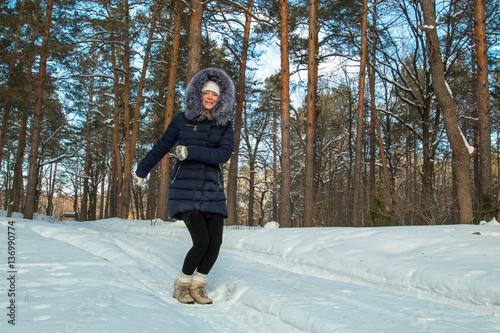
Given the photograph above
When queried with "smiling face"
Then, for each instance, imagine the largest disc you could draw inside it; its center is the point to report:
(209, 99)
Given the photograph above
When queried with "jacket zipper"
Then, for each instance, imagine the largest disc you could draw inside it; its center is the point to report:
(219, 176)
(195, 127)
(176, 172)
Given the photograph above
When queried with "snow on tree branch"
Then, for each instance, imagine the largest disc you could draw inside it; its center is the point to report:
(469, 147)
(57, 159)
(96, 75)
(448, 87)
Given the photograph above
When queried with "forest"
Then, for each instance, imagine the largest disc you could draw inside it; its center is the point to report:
(348, 113)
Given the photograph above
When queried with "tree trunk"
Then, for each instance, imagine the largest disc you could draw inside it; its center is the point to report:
(152, 197)
(7, 185)
(75, 201)
(349, 187)
(37, 120)
(124, 195)
(312, 85)
(459, 146)
(194, 56)
(101, 208)
(88, 154)
(275, 167)
(94, 186)
(355, 216)
(252, 146)
(130, 140)
(427, 168)
(251, 189)
(483, 101)
(286, 204)
(50, 194)
(498, 177)
(108, 198)
(233, 166)
(378, 131)
(475, 128)
(10, 84)
(138, 203)
(169, 113)
(375, 130)
(116, 158)
(372, 176)
(14, 205)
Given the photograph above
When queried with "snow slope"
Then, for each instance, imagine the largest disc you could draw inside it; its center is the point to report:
(117, 276)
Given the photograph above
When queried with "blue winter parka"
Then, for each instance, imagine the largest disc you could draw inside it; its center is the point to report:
(197, 183)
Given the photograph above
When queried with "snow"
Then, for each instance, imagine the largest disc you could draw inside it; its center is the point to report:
(493, 222)
(272, 225)
(470, 148)
(449, 89)
(117, 276)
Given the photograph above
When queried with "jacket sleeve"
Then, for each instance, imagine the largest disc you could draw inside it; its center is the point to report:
(218, 155)
(160, 149)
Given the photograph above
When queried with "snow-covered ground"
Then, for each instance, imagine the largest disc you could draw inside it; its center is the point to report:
(117, 276)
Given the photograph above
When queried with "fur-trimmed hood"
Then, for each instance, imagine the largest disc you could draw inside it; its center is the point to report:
(223, 110)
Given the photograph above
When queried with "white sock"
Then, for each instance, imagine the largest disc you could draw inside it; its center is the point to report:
(185, 278)
(199, 277)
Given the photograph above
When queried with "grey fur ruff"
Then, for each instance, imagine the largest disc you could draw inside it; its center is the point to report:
(223, 110)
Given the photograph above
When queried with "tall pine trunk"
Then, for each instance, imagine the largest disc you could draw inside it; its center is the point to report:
(376, 130)
(10, 84)
(312, 85)
(459, 146)
(483, 103)
(169, 112)
(116, 176)
(194, 55)
(124, 191)
(233, 166)
(286, 204)
(30, 208)
(88, 155)
(475, 127)
(356, 209)
(14, 205)
(131, 139)
(275, 167)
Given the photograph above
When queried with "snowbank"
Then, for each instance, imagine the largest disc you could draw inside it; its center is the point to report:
(116, 275)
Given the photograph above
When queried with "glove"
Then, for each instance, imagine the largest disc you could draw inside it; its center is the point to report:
(181, 152)
(139, 180)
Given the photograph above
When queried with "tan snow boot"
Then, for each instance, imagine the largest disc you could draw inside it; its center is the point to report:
(182, 292)
(198, 293)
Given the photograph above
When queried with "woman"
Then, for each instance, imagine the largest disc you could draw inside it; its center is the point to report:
(196, 192)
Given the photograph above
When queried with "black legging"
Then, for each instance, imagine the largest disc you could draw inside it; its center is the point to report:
(206, 233)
